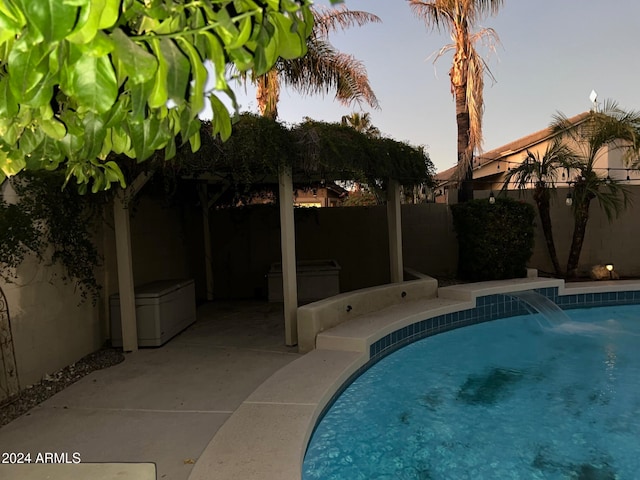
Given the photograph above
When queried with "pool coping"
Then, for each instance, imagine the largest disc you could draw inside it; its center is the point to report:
(266, 437)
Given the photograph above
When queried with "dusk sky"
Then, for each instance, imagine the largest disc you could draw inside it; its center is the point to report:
(552, 55)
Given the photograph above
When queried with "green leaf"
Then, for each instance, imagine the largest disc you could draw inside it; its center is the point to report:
(52, 19)
(246, 26)
(225, 28)
(71, 145)
(147, 137)
(120, 140)
(94, 134)
(221, 121)
(178, 70)
(113, 173)
(11, 163)
(188, 124)
(90, 81)
(159, 94)
(290, 44)
(170, 149)
(29, 75)
(136, 63)
(53, 128)
(8, 104)
(290, 6)
(216, 54)
(172, 77)
(194, 141)
(242, 59)
(95, 15)
(9, 27)
(100, 45)
(139, 95)
(29, 141)
(116, 115)
(199, 74)
(46, 155)
(11, 133)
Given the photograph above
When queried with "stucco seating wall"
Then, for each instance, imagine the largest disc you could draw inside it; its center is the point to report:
(317, 317)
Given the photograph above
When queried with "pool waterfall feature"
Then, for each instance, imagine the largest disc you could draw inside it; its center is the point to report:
(536, 303)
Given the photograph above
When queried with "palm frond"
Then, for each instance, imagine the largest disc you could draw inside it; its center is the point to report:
(334, 19)
(542, 171)
(445, 14)
(325, 69)
(433, 14)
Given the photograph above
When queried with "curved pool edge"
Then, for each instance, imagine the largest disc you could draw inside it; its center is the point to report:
(267, 436)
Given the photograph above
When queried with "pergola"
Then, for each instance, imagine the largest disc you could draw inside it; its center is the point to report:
(275, 154)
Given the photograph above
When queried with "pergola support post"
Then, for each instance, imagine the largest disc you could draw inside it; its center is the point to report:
(288, 249)
(125, 264)
(206, 206)
(394, 223)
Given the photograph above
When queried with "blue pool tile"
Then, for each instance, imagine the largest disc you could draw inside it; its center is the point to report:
(487, 308)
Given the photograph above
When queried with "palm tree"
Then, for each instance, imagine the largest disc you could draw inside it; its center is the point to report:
(542, 173)
(361, 123)
(459, 17)
(610, 128)
(323, 68)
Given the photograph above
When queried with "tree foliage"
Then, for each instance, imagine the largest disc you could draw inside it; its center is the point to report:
(542, 172)
(54, 225)
(612, 128)
(315, 151)
(83, 81)
(323, 69)
(495, 242)
(361, 122)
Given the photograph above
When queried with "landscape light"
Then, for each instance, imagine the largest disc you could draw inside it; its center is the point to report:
(609, 267)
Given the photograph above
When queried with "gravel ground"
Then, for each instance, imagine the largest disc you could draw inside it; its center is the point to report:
(19, 404)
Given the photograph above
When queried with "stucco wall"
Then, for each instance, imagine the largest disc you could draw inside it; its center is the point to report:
(51, 327)
(605, 242)
(159, 244)
(247, 241)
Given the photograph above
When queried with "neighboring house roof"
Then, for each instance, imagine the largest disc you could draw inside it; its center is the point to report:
(524, 143)
(445, 177)
(497, 154)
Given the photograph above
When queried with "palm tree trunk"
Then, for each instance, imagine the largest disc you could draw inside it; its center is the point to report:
(268, 94)
(579, 230)
(465, 166)
(541, 197)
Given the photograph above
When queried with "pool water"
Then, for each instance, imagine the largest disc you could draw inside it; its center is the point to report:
(515, 398)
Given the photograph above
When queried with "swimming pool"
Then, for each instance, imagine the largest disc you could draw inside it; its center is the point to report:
(510, 398)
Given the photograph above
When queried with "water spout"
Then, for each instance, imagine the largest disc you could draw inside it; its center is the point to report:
(536, 303)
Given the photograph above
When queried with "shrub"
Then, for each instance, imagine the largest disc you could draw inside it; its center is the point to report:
(494, 241)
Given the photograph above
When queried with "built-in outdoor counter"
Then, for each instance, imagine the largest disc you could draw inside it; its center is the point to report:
(316, 279)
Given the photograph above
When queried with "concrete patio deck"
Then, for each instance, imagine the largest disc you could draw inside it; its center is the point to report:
(161, 405)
